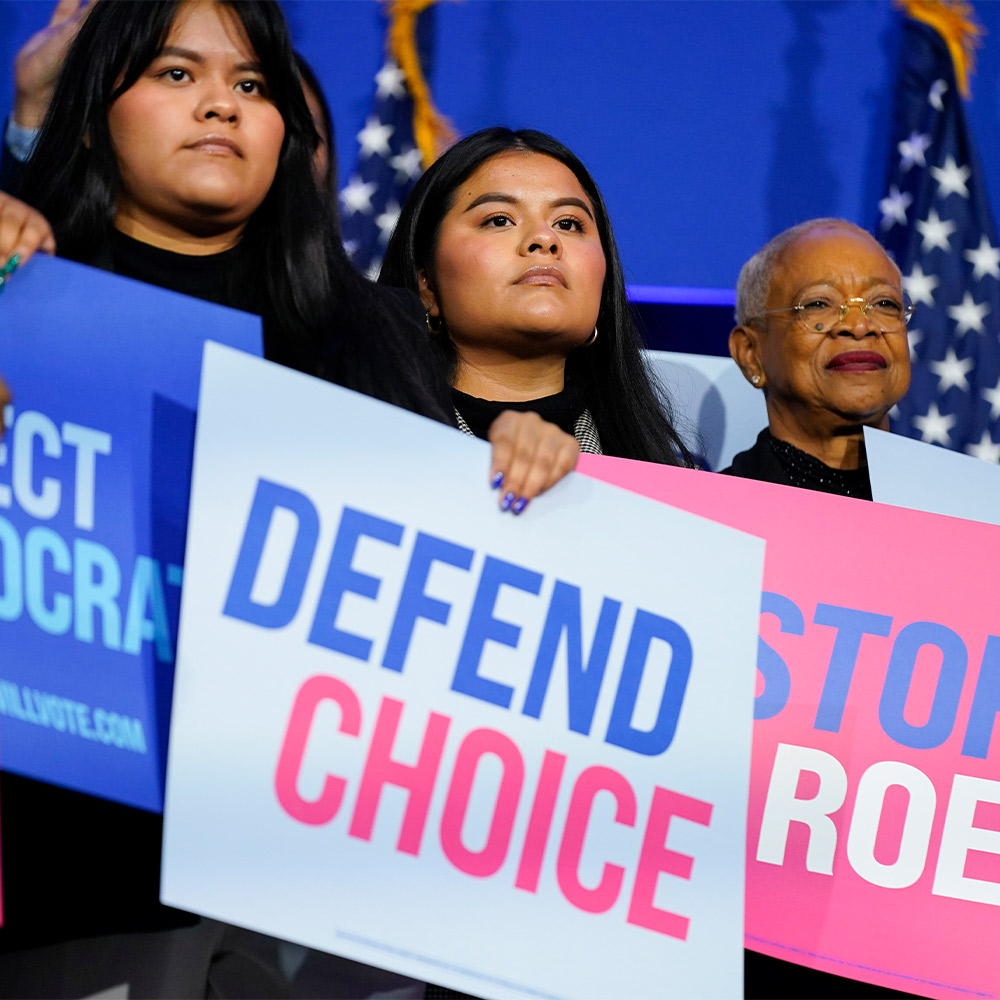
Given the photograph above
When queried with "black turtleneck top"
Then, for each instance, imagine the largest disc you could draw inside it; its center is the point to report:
(562, 409)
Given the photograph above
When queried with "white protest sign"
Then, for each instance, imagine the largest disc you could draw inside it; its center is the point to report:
(909, 473)
(507, 755)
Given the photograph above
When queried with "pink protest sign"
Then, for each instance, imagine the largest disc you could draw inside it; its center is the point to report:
(873, 836)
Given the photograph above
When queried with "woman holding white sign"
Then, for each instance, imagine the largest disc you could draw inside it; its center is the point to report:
(507, 241)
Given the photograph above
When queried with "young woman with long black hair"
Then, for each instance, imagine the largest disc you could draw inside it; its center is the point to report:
(507, 240)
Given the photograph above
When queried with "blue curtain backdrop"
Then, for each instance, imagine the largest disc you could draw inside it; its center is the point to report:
(708, 125)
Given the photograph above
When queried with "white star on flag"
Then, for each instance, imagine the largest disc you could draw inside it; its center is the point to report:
(985, 259)
(408, 164)
(387, 166)
(357, 196)
(969, 315)
(912, 150)
(992, 396)
(893, 207)
(935, 426)
(952, 371)
(986, 450)
(938, 89)
(920, 287)
(948, 249)
(386, 222)
(935, 231)
(951, 178)
(374, 138)
(390, 81)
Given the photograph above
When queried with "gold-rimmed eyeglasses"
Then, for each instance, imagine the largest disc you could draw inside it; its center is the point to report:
(819, 313)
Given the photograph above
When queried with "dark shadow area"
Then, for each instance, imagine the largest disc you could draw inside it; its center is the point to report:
(495, 46)
(170, 476)
(800, 163)
(693, 329)
(767, 978)
(878, 103)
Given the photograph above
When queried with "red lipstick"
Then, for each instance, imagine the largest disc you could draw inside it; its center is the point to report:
(857, 361)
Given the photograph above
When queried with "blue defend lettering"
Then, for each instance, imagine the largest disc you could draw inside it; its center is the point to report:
(341, 579)
(483, 627)
(583, 679)
(414, 602)
(268, 498)
(621, 732)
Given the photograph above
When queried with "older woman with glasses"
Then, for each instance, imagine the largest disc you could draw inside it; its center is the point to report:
(822, 333)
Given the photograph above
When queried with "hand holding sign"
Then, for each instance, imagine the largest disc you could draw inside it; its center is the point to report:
(22, 232)
(530, 456)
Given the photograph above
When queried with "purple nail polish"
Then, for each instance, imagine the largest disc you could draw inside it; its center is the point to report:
(497, 481)
(518, 505)
(508, 499)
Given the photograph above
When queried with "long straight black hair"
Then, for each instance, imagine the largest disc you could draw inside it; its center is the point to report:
(632, 414)
(288, 265)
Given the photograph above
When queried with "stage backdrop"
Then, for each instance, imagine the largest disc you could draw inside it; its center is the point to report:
(709, 126)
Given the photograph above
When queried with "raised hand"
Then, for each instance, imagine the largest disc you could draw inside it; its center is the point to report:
(37, 64)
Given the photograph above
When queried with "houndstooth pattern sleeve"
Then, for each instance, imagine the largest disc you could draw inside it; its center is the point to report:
(584, 430)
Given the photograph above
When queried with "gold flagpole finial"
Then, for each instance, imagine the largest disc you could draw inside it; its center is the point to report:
(431, 130)
(955, 21)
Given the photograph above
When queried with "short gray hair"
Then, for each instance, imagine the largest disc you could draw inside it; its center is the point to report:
(754, 283)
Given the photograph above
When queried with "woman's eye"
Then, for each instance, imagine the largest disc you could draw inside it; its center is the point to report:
(814, 305)
(498, 221)
(570, 225)
(250, 87)
(175, 73)
(887, 305)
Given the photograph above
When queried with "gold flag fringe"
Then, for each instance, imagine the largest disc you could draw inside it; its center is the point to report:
(431, 130)
(955, 21)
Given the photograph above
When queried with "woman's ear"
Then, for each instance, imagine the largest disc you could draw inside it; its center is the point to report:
(744, 348)
(427, 295)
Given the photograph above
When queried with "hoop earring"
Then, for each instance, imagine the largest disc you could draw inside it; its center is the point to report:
(590, 340)
(435, 327)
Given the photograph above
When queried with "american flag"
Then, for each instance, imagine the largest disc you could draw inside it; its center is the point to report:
(937, 224)
(387, 167)
(391, 157)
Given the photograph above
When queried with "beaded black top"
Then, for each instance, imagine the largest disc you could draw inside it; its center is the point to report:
(810, 473)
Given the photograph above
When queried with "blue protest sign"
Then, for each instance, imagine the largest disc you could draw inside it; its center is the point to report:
(95, 472)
